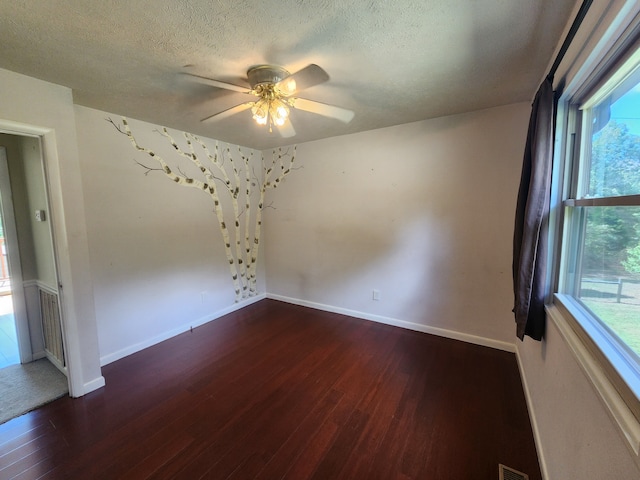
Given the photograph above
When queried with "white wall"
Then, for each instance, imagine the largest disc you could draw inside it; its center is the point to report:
(576, 436)
(37, 200)
(155, 246)
(422, 212)
(28, 105)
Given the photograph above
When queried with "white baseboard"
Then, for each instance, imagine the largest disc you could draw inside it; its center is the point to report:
(112, 357)
(39, 355)
(94, 384)
(441, 332)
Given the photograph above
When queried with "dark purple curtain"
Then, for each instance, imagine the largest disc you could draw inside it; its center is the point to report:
(532, 211)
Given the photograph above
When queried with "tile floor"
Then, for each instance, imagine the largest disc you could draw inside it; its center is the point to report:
(8, 341)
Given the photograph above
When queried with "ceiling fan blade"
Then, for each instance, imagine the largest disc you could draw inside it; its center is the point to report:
(324, 109)
(218, 83)
(229, 111)
(307, 77)
(286, 130)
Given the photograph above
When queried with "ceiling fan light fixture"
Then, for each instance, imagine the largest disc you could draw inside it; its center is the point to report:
(287, 86)
(260, 111)
(270, 110)
(276, 91)
(279, 111)
(260, 120)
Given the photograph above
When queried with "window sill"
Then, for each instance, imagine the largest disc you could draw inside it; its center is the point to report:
(581, 336)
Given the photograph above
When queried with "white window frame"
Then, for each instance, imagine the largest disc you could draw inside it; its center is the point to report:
(613, 371)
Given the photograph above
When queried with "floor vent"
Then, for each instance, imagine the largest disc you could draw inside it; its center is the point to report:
(51, 326)
(507, 473)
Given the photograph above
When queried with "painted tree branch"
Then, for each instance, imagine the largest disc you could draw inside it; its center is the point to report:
(242, 191)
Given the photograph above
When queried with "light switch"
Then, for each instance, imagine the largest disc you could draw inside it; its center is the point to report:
(40, 216)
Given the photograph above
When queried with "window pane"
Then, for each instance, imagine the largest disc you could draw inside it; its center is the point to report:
(610, 270)
(615, 142)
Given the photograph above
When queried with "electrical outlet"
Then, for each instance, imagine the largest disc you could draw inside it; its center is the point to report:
(376, 294)
(204, 295)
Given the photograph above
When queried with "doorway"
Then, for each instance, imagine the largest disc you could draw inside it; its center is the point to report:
(32, 371)
(30, 270)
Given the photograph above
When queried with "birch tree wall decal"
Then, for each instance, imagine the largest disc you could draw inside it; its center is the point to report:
(226, 179)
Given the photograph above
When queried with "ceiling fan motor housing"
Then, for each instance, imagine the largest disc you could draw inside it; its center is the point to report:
(266, 74)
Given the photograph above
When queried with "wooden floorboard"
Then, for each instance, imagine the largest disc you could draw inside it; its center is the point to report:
(278, 391)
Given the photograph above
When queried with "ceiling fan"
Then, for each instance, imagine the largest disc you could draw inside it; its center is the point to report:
(276, 90)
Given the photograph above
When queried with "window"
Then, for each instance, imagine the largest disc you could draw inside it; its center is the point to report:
(599, 271)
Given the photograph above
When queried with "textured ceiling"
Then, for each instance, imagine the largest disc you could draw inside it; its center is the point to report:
(391, 62)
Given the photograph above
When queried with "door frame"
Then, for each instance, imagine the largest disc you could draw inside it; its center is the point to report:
(70, 329)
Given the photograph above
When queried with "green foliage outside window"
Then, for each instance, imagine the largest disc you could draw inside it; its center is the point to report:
(612, 243)
(632, 263)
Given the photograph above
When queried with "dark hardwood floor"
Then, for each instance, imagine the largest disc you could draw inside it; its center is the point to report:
(281, 391)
